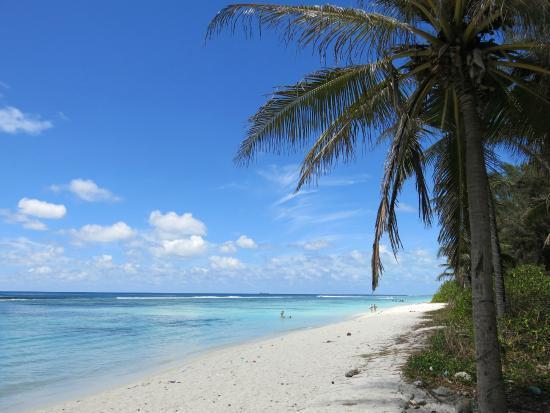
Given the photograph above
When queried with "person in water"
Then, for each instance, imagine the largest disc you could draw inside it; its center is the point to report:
(282, 313)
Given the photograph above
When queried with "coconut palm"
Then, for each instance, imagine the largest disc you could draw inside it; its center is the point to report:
(451, 205)
(409, 63)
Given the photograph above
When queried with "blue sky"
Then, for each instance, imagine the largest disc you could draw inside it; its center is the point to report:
(118, 126)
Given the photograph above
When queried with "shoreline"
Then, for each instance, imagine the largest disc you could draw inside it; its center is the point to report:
(300, 370)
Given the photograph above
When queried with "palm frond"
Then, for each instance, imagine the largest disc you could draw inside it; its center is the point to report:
(295, 113)
(371, 112)
(404, 159)
(344, 31)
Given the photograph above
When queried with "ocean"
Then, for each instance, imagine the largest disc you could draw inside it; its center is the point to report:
(57, 346)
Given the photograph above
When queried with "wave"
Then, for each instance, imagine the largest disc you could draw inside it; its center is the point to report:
(344, 296)
(197, 297)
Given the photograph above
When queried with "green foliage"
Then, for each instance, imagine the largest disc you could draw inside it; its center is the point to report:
(523, 214)
(524, 334)
(439, 360)
(525, 330)
(446, 292)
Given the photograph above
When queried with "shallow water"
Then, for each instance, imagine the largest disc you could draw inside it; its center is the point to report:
(54, 345)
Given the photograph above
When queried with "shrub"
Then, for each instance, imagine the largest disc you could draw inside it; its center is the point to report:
(446, 292)
(525, 330)
(524, 334)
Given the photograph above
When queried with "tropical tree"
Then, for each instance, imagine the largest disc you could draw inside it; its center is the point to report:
(451, 206)
(522, 201)
(409, 62)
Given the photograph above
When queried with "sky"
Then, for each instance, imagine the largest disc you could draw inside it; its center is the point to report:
(118, 128)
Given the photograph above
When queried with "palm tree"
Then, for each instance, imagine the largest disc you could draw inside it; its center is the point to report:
(419, 59)
(451, 205)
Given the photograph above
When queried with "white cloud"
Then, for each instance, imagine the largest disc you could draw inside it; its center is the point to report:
(173, 226)
(246, 242)
(13, 121)
(30, 209)
(225, 263)
(315, 245)
(44, 269)
(311, 267)
(119, 231)
(228, 248)
(283, 176)
(358, 256)
(33, 224)
(22, 251)
(184, 248)
(18, 218)
(292, 195)
(104, 260)
(41, 209)
(87, 190)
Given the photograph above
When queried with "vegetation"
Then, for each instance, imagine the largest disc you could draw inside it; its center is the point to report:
(448, 290)
(466, 74)
(524, 334)
(522, 195)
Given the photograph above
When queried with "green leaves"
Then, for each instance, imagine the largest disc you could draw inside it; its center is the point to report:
(294, 113)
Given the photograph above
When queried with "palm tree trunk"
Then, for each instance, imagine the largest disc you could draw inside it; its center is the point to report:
(490, 386)
(500, 292)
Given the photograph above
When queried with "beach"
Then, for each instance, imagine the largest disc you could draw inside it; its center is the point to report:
(300, 371)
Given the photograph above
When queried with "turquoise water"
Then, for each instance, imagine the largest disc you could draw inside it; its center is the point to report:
(53, 345)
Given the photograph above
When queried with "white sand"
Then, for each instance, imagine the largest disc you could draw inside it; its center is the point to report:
(291, 373)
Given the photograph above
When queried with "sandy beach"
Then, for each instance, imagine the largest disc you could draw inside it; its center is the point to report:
(302, 371)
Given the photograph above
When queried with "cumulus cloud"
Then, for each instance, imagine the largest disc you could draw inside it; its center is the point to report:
(41, 209)
(228, 248)
(87, 190)
(29, 210)
(183, 248)
(119, 231)
(174, 226)
(13, 121)
(226, 263)
(246, 242)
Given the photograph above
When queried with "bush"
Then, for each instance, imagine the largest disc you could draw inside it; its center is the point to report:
(441, 359)
(446, 292)
(528, 288)
(524, 334)
(525, 330)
